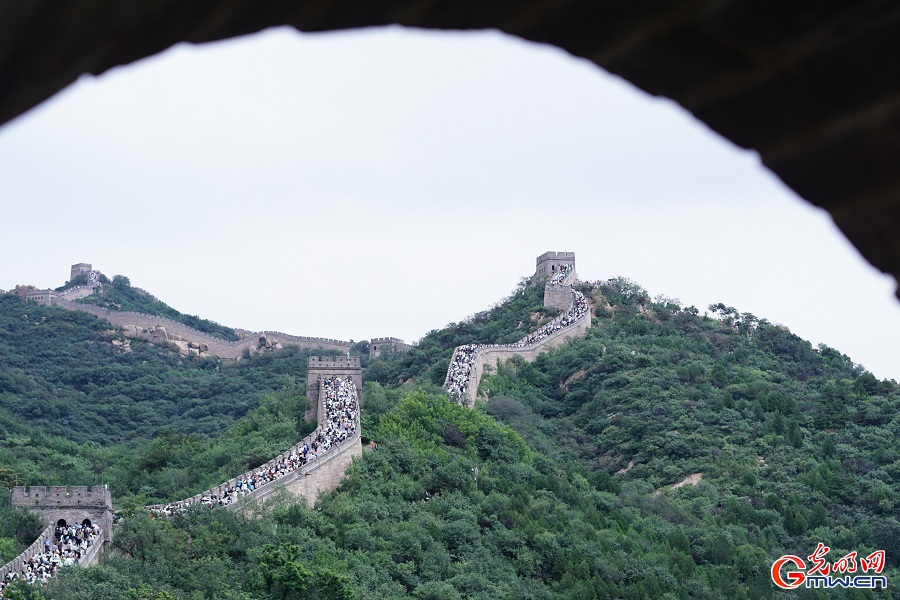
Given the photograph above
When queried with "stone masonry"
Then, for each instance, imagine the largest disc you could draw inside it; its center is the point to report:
(68, 504)
(324, 474)
(72, 504)
(319, 368)
(379, 345)
(558, 295)
(550, 263)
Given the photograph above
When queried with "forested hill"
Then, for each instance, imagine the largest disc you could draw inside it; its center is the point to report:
(119, 294)
(564, 484)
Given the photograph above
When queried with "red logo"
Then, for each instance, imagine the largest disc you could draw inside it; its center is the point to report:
(824, 574)
(795, 578)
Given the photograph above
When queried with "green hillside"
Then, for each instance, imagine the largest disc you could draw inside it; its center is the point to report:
(118, 294)
(782, 446)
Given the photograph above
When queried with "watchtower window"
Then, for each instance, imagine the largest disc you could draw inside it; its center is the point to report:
(61, 523)
(86, 523)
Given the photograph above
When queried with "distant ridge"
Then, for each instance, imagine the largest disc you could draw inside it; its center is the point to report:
(215, 346)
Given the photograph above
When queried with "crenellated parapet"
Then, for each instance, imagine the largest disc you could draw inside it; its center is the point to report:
(63, 505)
(162, 330)
(379, 345)
(317, 463)
(470, 361)
(320, 367)
(549, 264)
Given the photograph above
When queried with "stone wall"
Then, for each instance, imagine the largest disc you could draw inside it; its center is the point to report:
(558, 296)
(320, 367)
(77, 292)
(559, 293)
(42, 297)
(549, 263)
(233, 350)
(15, 565)
(379, 345)
(80, 269)
(350, 447)
(322, 474)
(489, 356)
(72, 504)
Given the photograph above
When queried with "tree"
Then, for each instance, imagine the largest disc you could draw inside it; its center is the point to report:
(120, 282)
(281, 573)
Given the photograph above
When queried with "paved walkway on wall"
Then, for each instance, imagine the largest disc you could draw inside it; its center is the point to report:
(470, 361)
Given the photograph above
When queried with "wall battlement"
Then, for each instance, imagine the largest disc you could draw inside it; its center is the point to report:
(226, 349)
(71, 504)
(39, 496)
(320, 367)
(333, 362)
(323, 473)
(469, 362)
(379, 345)
(550, 263)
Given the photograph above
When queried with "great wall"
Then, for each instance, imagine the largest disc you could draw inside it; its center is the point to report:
(469, 362)
(322, 471)
(162, 330)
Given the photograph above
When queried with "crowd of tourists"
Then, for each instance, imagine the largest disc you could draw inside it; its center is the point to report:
(561, 275)
(70, 543)
(464, 357)
(341, 420)
(460, 369)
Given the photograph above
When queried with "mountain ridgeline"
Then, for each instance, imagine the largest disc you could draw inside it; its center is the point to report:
(668, 453)
(119, 294)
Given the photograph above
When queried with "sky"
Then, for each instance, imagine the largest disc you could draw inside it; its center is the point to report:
(386, 182)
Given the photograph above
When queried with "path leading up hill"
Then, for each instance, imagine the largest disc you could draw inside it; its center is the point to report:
(470, 361)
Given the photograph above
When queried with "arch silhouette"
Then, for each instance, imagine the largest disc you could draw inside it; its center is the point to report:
(811, 86)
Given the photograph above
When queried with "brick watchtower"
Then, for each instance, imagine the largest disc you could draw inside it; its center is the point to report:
(325, 366)
(557, 291)
(72, 504)
(549, 263)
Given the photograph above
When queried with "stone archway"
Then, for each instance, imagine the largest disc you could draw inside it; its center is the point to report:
(811, 86)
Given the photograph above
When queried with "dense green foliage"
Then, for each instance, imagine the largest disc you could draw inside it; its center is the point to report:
(75, 409)
(18, 528)
(61, 374)
(575, 457)
(120, 295)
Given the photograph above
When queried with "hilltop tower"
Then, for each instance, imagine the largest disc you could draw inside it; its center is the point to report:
(79, 270)
(379, 345)
(550, 263)
(558, 270)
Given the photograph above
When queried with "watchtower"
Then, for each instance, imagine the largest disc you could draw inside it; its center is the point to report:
(550, 263)
(379, 345)
(42, 297)
(65, 505)
(321, 367)
(558, 269)
(79, 270)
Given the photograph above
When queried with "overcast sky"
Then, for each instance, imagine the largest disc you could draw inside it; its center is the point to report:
(387, 182)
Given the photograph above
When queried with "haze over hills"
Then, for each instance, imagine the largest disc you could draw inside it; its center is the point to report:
(664, 454)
